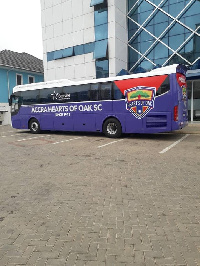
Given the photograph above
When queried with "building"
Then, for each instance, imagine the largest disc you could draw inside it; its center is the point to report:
(16, 69)
(86, 39)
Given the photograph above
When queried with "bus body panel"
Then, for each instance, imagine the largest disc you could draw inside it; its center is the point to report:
(144, 109)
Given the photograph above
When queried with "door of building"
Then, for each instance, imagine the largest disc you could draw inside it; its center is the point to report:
(194, 100)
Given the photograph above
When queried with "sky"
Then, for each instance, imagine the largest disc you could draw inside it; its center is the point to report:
(20, 26)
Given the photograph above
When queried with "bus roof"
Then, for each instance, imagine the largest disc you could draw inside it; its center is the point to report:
(66, 82)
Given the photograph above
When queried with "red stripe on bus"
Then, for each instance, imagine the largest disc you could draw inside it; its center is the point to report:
(155, 81)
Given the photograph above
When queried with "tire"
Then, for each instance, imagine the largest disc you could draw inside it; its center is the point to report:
(112, 128)
(34, 126)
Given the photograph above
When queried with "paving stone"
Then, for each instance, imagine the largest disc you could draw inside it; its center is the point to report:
(72, 204)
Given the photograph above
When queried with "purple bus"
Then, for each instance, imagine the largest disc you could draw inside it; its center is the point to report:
(150, 102)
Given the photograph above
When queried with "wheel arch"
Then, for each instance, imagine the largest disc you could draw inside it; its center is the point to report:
(32, 117)
(111, 116)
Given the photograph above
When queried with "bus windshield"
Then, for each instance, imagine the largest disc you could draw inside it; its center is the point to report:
(15, 104)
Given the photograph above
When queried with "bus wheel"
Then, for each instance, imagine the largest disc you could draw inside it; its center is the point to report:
(34, 126)
(112, 128)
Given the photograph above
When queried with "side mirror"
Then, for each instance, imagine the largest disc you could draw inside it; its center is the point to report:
(10, 100)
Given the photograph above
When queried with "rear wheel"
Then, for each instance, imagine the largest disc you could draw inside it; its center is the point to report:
(34, 126)
(112, 128)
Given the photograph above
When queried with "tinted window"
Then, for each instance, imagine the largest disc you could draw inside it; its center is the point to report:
(78, 50)
(100, 17)
(94, 92)
(102, 69)
(50, 95)
(30, 80)
(77, 93)
(30, 97)
(101, 32)
(117, 93)
(19, 79)
(165, 87)
(106, 91)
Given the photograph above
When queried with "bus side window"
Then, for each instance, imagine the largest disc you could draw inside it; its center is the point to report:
(118, 95)
(20, 99)
(30, 97)
(83, 92)
(106, 91)
(165, 87)
(69, 93)
(48, 95)
(72, 90)
(94, 92)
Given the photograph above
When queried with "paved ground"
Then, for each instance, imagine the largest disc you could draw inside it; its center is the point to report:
(75, 199)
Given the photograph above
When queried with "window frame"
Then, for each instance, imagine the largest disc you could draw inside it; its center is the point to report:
(19, 75)
(29, 76)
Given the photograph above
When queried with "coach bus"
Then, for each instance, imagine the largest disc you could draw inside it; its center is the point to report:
(150, 102)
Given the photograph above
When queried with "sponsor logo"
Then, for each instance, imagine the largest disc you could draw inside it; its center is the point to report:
(184, 91)
(60, 97)
(182, 83)
(140, 100)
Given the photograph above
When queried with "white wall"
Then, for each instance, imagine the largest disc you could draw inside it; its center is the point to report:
(65, 24)
(5, 116)
(118, 36)
(68, 23)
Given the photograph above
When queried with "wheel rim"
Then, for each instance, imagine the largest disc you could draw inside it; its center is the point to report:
(112, 128)
(34, 126)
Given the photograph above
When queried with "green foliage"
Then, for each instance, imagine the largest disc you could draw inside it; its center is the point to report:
(141, 93)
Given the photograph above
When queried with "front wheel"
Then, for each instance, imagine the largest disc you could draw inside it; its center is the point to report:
(112, 128)
(34, 126)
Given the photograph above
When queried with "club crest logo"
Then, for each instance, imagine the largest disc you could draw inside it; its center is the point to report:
(140, 100)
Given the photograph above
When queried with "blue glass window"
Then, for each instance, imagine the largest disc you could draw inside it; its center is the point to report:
(194, 9)
(165, 7)
(50, 56)
(145, 36)
(165, 40)
(176, 29)
(96, 2)
(191, 21)
(58, 54)
(175, 41)
(143, 16)
(175, 9)
(189, 46)
(100, 17)
(88, 48)
(133, 57)
(100, 50)
(71, 51)
(157, 2)
(139, 69)
(102, 69)
(160, 51)
(160, 17)
(101, 32)
(172, 1)
(197, 45)
(146, 65)
(68, 52)
(150, 28)
(78, 50)
(145, 6)
(145, 46)
(159, 29)
(160, 61)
